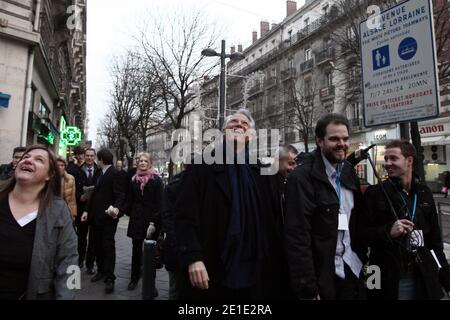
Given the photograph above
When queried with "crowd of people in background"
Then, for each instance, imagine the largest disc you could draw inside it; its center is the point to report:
(230, 232)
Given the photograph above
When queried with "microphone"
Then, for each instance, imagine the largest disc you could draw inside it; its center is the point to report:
(358, 155)
(362, 153)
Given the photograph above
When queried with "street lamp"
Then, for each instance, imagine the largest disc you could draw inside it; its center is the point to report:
(233, 56)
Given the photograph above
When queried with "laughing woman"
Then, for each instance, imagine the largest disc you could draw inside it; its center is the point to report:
(37, 241)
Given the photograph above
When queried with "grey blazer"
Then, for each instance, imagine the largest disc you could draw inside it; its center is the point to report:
(54, 250)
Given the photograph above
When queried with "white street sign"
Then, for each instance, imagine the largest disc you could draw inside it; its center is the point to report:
(398, 59)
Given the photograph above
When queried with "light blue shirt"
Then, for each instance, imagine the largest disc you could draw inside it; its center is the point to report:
(344, 252)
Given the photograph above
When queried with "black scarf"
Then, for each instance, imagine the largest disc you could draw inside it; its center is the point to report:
(242, 249)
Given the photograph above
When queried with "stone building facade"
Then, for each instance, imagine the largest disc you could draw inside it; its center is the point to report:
(42, 72)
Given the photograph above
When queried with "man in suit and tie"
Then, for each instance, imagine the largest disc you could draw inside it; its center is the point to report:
(86, 176)
(104, 209)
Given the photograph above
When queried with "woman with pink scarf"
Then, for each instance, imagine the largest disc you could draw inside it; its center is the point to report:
(144, 205)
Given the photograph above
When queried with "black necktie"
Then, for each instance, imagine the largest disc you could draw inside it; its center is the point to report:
(90, 176)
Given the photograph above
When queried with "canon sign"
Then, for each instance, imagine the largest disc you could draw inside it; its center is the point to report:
(432, 129)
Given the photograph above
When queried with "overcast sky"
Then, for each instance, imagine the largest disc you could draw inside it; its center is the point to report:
(112, 23)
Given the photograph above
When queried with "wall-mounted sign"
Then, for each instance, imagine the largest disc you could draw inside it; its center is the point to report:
(399, 65)
(71, 136)
(434, 129)
(4, 100)
(50, 138)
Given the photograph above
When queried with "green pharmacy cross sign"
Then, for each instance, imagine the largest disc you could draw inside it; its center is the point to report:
(71, 136)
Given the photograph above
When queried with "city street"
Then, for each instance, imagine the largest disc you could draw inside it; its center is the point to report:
(240, 120)
(95, 291)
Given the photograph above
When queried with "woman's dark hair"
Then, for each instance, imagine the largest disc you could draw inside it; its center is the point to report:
(52, 188)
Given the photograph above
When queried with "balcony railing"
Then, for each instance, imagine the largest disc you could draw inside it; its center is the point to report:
(234, 99)
(261, 61)
(318, 23)
(47, 34)
(356, 123)
(288, 73)
(289, 106)
(257, 115)
(270, 82)
(350, 47)
(273, 110)
(56, 70)
(255, 89)
(40, 126)
(307, 65)
(325, 55)
(290, 137)
(307, 99)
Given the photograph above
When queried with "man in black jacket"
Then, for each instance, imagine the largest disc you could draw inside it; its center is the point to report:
(224, 224)
(405, 241)
(86, 176)
(323, 203)
(74, 164)
(286, 164)
(104, 209)
(169, 250)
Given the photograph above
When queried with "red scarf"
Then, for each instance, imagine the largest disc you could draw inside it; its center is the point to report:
(144, 176)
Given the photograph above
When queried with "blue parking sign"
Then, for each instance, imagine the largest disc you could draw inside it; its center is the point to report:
(380, 57)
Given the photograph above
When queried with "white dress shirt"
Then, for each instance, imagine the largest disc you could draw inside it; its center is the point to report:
(344, 252)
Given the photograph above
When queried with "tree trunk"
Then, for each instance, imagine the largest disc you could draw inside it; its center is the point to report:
(120, 150)
(130, 162)
(171, 164)
(415, 137)
(305, 142)
(144, 143)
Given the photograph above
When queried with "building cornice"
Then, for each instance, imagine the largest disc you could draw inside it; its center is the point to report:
(28, 37)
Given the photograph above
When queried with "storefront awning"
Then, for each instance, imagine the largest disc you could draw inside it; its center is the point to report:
(432, 141)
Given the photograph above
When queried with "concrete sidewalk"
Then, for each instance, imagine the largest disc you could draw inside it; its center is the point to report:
(95, 291)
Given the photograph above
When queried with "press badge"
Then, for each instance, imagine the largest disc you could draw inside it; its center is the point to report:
(343, 222)
(417, 238)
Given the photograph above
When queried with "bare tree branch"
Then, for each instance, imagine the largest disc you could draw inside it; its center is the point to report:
(173, 51)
